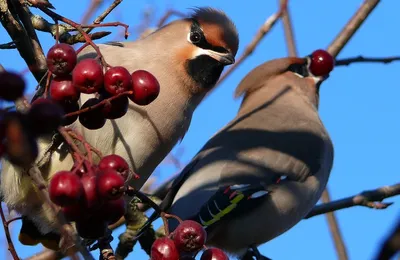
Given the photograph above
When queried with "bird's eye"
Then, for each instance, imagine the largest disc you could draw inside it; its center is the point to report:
(195, 37)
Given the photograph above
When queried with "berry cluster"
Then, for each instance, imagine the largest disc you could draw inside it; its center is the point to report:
(113, 87)
(184, 243)
(91, 195)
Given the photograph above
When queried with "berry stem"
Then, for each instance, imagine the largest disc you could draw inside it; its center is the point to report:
(46, 90)
(78, 27)
(63, 131)
(11, 247)
(89, 148)
(103, 102)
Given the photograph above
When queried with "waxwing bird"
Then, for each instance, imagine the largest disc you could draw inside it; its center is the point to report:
(263, 172)
(187, 57)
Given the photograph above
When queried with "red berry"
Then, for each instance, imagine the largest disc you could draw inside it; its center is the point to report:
(12, 86)
(115, 162)
(164, 249)
(91, 199)
(45, 116)
(69, 108)
(65, 188)
(117, 80)
(321, 63)
(61, 59)
(87, 76)
(145, 87)
(92, 119)
(214, 254)
(112, 210)
(110, 184)
(116, 108)
(62, 89)
(189, 236)
(91, 228)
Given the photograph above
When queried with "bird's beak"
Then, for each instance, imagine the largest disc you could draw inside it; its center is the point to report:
(224, 58)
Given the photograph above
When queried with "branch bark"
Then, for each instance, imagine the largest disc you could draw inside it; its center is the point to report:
(391, 245)
(288, 29)
(370, 198)
(360, 59)
(336, 234)
(23, 43)
(264, 29)
(352, 26)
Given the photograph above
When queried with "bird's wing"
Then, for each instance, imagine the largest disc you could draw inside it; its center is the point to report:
(252, 171)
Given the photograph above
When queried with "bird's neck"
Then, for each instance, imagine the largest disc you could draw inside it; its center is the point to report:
(282, 95)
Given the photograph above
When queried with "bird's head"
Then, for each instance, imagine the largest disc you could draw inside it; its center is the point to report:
(303, 74)
(202, 45)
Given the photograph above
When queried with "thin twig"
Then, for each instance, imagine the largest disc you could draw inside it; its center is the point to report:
(352, 26)
(18, 35)
(24, 15)
(7, 46)
(93, 7)
(335, 230)
(391, 245)
(11, 247)
(359, 59)
(264, 29)
(167, 15)
(370, 198)
(289, 34)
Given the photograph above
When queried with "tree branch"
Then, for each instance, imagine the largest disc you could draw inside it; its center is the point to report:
(336, 234)
(93, 7)
(359, 59)
(352, 26)
(24, 15)
(11, 247)
(264, 29)
(19, 36)
(289, 34)
(391, 246)
(367, 198)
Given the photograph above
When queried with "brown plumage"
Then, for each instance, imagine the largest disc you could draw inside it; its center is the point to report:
(186, 71)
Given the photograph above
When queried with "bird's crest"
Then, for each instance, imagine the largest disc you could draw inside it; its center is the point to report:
(208, 15)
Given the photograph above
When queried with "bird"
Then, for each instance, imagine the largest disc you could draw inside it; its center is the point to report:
(265, 170)
(187, 56)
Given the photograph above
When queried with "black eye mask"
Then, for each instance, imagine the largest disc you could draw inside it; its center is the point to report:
(197, 37)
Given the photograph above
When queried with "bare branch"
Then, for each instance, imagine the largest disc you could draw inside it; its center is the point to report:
(366, 198)
(11, 247)
(93, 7)
(264, 29)
(20, 37)
(103, 16)
(287, 27)
(9, 45)
(46, 255)
(334, 229)
(24, 15)
(359, 59)
(391, 246)
(352, 26)
(167, 15)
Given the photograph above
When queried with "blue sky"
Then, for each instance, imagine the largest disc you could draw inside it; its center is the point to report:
(359, 106)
